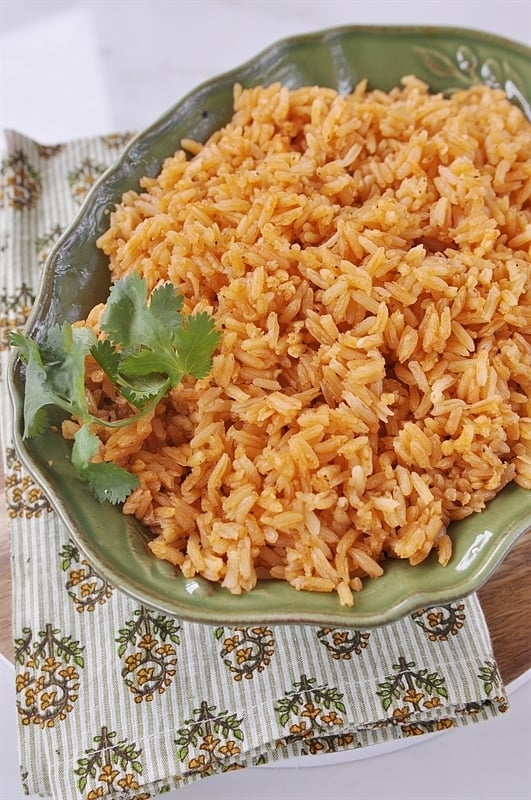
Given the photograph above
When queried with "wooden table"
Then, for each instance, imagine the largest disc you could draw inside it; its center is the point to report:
(505, 598)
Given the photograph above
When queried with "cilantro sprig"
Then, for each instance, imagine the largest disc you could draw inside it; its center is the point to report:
(147, 349)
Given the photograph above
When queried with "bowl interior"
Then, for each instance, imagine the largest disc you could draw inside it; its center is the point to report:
(76, 278)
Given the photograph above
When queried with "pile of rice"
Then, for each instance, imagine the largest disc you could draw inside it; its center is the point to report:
(367, 261)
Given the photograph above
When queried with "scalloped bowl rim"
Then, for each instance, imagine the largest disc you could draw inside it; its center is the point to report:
(410, 599)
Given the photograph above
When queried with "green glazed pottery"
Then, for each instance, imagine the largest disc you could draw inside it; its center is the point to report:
(76, 278)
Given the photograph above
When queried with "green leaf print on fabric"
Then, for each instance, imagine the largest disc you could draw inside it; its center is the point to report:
(111, 768)
(48, 679)
(147, 650)
(313, 715)
(209, 741)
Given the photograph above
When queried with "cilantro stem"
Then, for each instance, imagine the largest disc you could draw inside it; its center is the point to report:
(146, 409)
(148, 348)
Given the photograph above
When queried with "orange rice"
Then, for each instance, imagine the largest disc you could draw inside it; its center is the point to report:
(367, 261)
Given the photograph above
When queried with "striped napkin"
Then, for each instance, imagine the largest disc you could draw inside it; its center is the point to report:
(116, 700)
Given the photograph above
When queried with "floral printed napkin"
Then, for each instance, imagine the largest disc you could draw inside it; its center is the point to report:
(116, 700)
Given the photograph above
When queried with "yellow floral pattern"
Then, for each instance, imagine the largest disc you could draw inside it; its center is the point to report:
(48, 679)
(83, 177)
(409, 690)
(247, 650)
(20, 182)
(314, 715)
(85, 587)
(24, 499)
(147, 648)
(110, 768)
(210, 741)
(14, 311)
(48, 151)
(441, 622)
(342, 644)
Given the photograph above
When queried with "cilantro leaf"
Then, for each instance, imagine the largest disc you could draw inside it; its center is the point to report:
(107, 481)
(110, 482)
(146, 391)
(64, 350)
(37, 395)
(195, 343)
(149, 348)
(153, 337)
(137, 383)
(54, 374)
(148, 362)
(124, 316)
(133, 322)
(86, 446)
(164, 307)
(107, 357)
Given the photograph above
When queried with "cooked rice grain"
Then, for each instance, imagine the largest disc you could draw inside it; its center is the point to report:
(367, 260)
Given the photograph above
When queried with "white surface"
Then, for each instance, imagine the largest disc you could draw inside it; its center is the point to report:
(79, 68)
(71, 69)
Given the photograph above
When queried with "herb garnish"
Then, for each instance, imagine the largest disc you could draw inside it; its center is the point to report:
(149, 347)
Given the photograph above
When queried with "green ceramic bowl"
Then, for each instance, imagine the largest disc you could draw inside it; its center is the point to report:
(76, 277)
